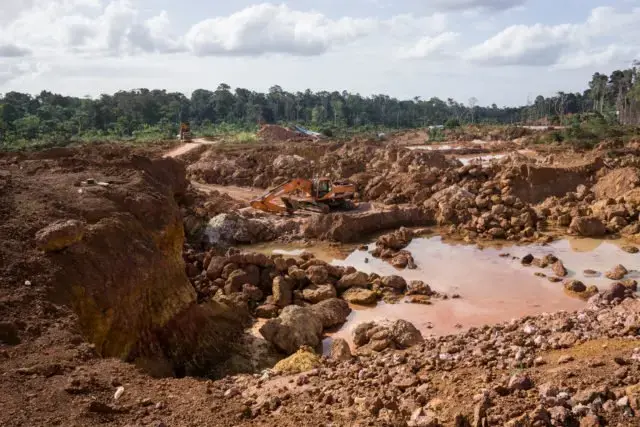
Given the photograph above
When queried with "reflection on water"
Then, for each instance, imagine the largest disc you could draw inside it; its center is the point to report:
(485, 159)
(321, 250)
(493, 288)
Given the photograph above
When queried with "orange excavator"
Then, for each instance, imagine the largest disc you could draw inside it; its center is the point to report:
(319, 195)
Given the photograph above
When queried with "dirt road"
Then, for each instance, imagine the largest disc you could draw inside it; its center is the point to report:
(185, 148)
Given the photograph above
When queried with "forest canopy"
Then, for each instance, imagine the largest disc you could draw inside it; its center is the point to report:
(157, 113)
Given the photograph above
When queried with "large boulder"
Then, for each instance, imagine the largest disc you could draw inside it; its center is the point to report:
(357, 279)
(587, 226)
(302, 360)
(331, 312)
(559, 269)
(396, 240)
(575, 286)
(230, 228)
(360, 296)
(318, 274)
(352, 226)
(450, 195)
(236, 280)
(418, 287)
(340, 350)
(216, 265)
(282, 289)
(617, 290)
(378, 336)
(295, 327)
(59, 235)
(317, 293)
(287, 162)
(617, 273)
(405, 335)
(395, 282)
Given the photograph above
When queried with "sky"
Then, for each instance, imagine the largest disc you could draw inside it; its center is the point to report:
(497, 51)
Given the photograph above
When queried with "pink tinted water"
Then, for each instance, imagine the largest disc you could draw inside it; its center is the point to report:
(493, 288)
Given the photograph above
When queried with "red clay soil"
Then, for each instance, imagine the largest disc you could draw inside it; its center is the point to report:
(276, 133)
(127, 292)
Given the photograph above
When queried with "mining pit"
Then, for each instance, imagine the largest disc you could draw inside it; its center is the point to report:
(138, 286)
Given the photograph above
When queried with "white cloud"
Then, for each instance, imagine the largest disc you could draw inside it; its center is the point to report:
(491, 5)
(428, 47)
(564, 45)
(612, 54)
(116, 27)
(267, 28)
(12, 51)
(10, 71)
(91, 27)
(408, 24)
(523, 45)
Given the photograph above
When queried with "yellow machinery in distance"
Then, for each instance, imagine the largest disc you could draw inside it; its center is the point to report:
(319, 195)
(185, 132)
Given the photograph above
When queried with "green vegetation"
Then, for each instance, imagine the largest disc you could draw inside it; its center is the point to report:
(452, 124)
(435, 135)
(148, 115)
(588, 130)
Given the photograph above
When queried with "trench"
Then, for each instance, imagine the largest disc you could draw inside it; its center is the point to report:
(494, 288)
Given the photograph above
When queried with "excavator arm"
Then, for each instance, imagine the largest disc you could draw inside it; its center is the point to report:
(266, 201)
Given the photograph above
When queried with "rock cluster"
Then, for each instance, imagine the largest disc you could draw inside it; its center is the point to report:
(547, 370)
(390, 247)
(302, 296)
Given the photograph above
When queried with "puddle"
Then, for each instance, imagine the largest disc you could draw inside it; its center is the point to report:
(485, 159)
(435, 147)
(493, 289)
(322, 251)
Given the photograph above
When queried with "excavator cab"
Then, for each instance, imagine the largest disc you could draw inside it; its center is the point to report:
(321, 187)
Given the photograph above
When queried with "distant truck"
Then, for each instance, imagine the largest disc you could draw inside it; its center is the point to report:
(185, 132)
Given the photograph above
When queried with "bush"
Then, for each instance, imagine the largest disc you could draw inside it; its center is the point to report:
(327, 132)
(435, 135)
(452, 124)
(245, 137)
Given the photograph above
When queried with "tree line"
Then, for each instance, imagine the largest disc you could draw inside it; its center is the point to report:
(157, 113)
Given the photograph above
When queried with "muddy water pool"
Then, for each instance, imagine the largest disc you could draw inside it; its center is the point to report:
(493, 288)
(485, 159)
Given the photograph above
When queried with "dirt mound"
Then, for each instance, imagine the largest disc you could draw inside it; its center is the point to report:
(617, 183)
(124, 277)
(533, 183)
(277, 133)
(270, 166)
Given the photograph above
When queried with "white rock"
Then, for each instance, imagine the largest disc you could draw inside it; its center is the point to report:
(623, 402)
(580, 410)
(231, 392)
(118, 393)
